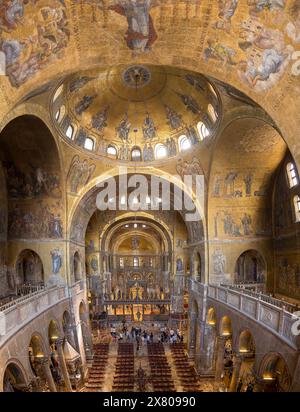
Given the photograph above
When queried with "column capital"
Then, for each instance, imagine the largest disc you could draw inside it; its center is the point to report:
(43, 360)
(60, 342)
(238, 359)
(223, 338)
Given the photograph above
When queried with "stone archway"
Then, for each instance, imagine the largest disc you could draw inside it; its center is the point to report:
(40, 365)
(224, 360)
(14, 379)
(250, 268)
(29, 268)
(274, 374)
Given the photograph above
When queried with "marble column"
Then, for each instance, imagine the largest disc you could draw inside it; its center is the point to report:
(62, 362)
(44, 362)
(221, 340)
(237, 363)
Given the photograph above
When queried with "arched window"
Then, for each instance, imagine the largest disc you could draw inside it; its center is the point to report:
(112, 151)
(70, 132)
(297, 207)
(58, 92)
(161, 151)
(136, 154)
(184, 143)
(292, 174)
(212, 112)
(213, 91)
(89, 143)
(203, 130)
(59, 115)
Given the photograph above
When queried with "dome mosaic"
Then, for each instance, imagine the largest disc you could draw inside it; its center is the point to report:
(136, 113)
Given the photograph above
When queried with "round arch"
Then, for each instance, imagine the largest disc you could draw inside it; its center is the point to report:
(225, 326)
(275, 373)
(14, 377)
(54, 331)
(211, 317)
(250, 267)
(29, 268)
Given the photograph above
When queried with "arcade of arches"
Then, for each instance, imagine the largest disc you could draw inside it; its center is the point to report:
(149, 196)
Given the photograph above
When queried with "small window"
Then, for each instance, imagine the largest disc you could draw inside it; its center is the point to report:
(121, 263)
(297, 208)
(112, 151)
(136, 155)
(292, 175)
(136, 262)
(89, 144)
(70, 132)
(213, 91)
(184, 143)
(212, 112)
(58, 92)
(161, 151)
(57, 116)
(151, 262)
(203, 130)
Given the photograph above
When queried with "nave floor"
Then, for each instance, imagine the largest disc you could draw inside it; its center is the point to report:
(167, 368)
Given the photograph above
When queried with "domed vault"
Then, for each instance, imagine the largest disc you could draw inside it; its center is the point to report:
(136, 113)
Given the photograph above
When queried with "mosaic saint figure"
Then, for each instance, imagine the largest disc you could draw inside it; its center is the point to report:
(56, 256)
(141, 33)
(174, 119)
(124, 128)
(84, 104)
(149, 129)
(99, 121)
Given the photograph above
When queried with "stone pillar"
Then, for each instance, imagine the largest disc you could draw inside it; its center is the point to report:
(165, 262)
(206, 365)
(44, 362)
(220, 357)
(86, 334)
(62, 362)
(237, 363)
(192, 334)
(166, 282)
(107, 283)
(71, 335)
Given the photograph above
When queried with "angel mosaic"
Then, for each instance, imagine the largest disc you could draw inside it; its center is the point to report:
(80, 174)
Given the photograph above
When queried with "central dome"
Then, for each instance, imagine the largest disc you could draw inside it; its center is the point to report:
(137, 112)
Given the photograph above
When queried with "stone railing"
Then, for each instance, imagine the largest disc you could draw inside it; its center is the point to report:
(271, 313)
(145, 301)
(266, 298)
(78, 287)
(254, 286)
(17, 313)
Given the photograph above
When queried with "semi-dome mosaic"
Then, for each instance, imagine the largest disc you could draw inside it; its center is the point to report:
(138, 112)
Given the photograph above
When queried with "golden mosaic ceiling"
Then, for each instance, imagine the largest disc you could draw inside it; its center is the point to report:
(137, 105)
